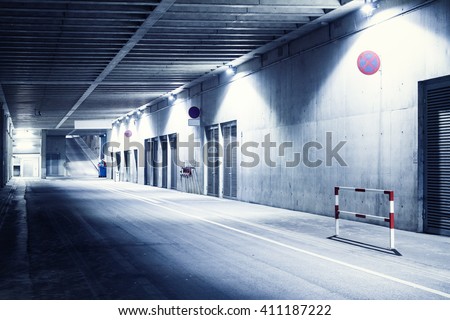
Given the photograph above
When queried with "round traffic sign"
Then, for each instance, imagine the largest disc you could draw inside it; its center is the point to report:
(369, 62)
(194, 112)
(128, 133)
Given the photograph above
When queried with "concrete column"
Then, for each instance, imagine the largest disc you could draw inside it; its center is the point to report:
(8, 141)
(106, 153)
(44, 154)
(3, 150)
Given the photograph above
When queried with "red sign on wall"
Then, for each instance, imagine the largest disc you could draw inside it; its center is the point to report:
(369, 62)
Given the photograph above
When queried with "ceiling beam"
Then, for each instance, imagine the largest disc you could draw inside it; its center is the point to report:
(72, 11)
(262, 9)
(327, 4)
(154, 17)
(124, 3)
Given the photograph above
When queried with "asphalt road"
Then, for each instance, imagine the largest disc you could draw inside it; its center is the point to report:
(96, 239)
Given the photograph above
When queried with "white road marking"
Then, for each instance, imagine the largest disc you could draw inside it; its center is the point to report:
(132, 195)
(249, 234)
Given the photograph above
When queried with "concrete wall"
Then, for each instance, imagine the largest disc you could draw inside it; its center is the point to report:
(310, 93)
(55, 155)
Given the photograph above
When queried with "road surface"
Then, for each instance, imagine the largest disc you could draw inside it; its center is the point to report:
(98, 239)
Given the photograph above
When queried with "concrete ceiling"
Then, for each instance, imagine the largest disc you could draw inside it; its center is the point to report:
(62, 61)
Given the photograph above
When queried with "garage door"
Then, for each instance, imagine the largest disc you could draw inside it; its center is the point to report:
(213, 161)
(229, 131)
(437, 157)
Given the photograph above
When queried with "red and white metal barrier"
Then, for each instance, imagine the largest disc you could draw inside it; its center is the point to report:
(390, 219)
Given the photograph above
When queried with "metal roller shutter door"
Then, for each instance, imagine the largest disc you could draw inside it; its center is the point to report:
(437, 160)
(148, 157)
(230, 160)
(164, 159)
(173, 162)
(212, 136)
(155, 162)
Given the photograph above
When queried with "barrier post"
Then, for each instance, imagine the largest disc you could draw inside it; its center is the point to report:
(336, 210)
(391, 218)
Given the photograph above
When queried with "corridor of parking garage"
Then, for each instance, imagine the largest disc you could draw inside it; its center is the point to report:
(225, 150)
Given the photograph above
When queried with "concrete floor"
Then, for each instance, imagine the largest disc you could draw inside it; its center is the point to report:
(98, 239)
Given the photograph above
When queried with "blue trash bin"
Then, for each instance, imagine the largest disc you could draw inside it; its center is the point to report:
(102, 172)
(102, 169)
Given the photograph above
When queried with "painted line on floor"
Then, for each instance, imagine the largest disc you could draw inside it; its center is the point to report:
(120, 191)
(152, 201)
(280, 244)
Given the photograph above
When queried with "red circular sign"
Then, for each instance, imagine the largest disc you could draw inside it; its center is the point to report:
(369, 62)
(128, 133)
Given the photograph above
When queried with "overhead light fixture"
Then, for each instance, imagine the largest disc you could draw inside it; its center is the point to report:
(172, 97)
(231, 70)
(369, 7)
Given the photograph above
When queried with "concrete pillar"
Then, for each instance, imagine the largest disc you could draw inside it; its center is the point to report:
(106, 154)
(44, 154)
(8, 147)
(3, 150)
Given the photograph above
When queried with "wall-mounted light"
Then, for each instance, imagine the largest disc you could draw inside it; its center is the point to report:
(25, 145)
(23, 133)
(231, 70)
(172, 97)
(369, 7)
